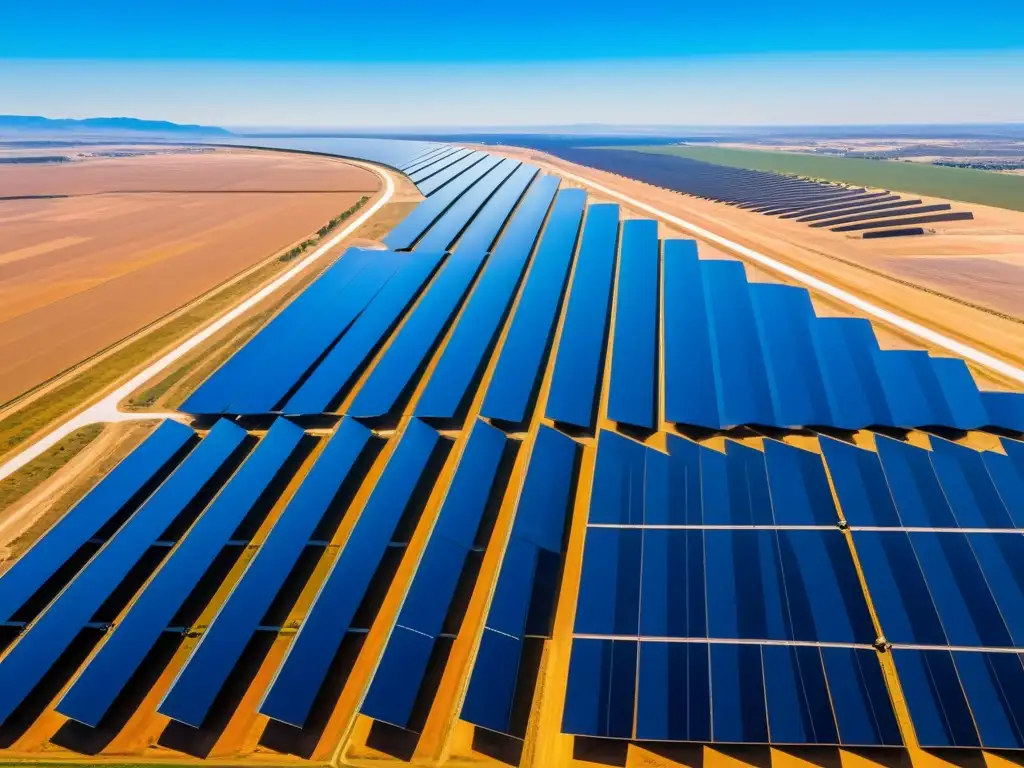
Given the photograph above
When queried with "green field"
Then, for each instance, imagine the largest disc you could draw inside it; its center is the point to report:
(983, 187)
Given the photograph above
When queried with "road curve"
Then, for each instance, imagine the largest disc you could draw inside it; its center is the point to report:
(845, 297)
(106, 410)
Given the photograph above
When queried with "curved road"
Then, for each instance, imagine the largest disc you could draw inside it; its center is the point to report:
(106, 410)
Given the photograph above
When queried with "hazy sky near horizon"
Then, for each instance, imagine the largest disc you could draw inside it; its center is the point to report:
(323, 63)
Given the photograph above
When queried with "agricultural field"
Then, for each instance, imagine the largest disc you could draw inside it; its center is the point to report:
(97, 248)
(964, 184)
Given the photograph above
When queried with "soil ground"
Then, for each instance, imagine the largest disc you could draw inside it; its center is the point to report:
(137, 237)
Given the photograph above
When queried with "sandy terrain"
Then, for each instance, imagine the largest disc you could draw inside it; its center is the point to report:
(966, 280)
(140, 236)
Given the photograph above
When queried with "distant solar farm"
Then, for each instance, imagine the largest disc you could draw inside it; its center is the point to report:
(535, 487)
(839, 207)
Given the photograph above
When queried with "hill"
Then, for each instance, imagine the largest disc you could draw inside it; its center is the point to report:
(36, 124)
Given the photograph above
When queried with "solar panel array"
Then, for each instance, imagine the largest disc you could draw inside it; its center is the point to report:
(839, 207)
(532, 471)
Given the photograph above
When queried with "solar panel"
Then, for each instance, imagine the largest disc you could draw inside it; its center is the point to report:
(295, 338)
(666, 594)
(337, 371)
(408, 352)
(201, 678)
(633, 389)
(403, 665)
(453, 174)
(301, 674)
(580, 362)
(784, 315)
(431, 158)
(515, 378)
(51, 634)
(438, 165)
(123, 488)
(740, 375)
(447, 229)
(423, 216)
(846, 350)
(482, 232)
(523, 599)
(690, 390)
(477, 329)
(95, 689)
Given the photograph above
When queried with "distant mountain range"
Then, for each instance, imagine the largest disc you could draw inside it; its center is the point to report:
(105, 125)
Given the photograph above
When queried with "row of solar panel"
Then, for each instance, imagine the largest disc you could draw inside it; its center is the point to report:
(728, 693)
(735, 352)
(349, 311)
(841, 208)
(897, 486)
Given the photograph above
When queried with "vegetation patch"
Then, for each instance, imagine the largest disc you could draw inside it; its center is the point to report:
(15, 487)
(325, 230)
(983, 187)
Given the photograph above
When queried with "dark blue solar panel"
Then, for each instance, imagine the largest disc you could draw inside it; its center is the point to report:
(341, 365)
(523, 600)
(1002, 562)
(633, 389)
(262, 372)
(210, 664)
(910, 388)
(516, 375)
(784, 317)
(860, 699)
(967, 609)
(112, 494)
(412, 227)
(994, 686)
(437, 164)
(800, 491)
(446, 229)
(601, 690)
(738, 700)
(36, 651)
(935, 698)
(407, 353)
(1009, 482)
(1005, 409)
(483, 231)
(742, 381)
(617, 496)
(609, 596)
(672, 591)
(960, 392)
(478, 326)
(799, 707)
(786, 585)
(899, 593)
(492, 687)
(674, 692)
(403, 665)
(134, 636)
(454, 174)
(304, 668)
(690, 394)
(578, 367)
(915, 488)
(844, 348)
(968, 487)
(398, 677)
(750, 499)
(861, 487)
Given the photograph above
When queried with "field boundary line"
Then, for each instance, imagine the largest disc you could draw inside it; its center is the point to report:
(910, 327)
(106, 409)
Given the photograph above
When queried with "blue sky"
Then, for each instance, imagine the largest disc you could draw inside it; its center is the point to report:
(398, 62)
